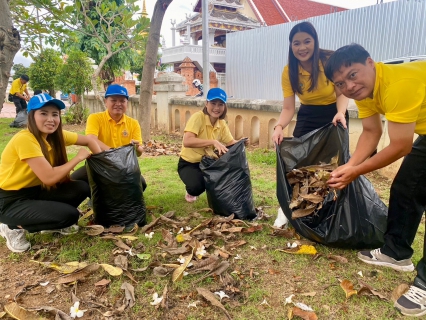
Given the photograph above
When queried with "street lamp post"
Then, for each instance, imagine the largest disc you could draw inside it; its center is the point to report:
(206, 47)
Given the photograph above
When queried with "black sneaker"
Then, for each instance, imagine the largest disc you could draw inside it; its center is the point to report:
(413, 302)
(379, 259)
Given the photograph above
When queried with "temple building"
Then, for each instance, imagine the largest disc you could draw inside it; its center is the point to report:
(228, 16)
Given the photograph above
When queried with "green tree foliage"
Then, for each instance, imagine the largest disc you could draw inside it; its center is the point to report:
(44, 69)
(74, 74)
(19, 69)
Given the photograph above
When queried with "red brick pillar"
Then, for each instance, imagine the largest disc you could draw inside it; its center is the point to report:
(187, 71)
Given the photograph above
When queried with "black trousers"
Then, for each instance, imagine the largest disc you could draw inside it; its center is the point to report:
(36, 209)
(310, 118)
(19, 103)
(191, 175)
(81, 174)
(407, 203)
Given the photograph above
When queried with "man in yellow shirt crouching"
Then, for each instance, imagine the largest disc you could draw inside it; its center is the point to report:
(113, 128)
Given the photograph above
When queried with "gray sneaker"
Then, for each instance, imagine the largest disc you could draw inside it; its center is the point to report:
(64, 231)
(15, 238)
(412, 303)
(379, 259)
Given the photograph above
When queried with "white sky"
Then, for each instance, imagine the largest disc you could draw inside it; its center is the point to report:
(179, 8)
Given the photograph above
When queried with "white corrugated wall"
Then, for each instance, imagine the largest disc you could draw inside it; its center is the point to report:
(255, 58)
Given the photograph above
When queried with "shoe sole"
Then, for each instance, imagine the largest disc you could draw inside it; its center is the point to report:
(55, 231)
(408, 268)
(9, 247)
(405, 313)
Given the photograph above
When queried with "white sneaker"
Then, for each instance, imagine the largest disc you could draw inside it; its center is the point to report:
(15, 238)
(64, 231)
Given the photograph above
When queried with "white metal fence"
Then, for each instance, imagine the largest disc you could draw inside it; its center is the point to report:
(255, 58)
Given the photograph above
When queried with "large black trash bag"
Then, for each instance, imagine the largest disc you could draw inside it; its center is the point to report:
(115, 183)
(228, 184)
(357, 219)
(21, 120)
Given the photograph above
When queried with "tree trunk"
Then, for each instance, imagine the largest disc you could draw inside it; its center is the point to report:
(147, 83)
(10, 43)
(96, 74)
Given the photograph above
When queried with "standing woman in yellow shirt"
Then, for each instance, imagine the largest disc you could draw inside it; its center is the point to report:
(320, 101)
(35, 190)
(205, 130)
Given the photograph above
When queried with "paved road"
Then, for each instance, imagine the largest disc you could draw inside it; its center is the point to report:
(8, 111)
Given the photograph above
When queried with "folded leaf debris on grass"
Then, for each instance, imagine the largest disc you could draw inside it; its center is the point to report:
(310, 187)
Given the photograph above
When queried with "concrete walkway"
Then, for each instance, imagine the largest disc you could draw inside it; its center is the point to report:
(8, 111)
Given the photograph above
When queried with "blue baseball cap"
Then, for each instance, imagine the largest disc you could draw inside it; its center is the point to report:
(40, 100)
(217, 93)
(116, 90)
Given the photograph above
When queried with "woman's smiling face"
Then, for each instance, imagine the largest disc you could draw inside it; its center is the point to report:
(215, 108)
(47, 119)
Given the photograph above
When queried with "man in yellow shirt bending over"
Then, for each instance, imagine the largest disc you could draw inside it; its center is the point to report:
(399, 93)
(113, 128)
(19, 86)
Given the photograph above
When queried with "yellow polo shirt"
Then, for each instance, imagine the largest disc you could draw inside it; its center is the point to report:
(113, 134)
(200, 124)
(15, 173)
(323, 95)
(17, 87)
(399, 93)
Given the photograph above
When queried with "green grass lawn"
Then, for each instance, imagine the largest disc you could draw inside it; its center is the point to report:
(262, 273)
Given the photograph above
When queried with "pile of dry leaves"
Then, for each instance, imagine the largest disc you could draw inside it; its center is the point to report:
(154, 148)
(310, 187)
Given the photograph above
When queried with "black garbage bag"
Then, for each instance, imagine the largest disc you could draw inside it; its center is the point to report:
(21, 120)
(357, 219)
(228, 184)
(115, 183)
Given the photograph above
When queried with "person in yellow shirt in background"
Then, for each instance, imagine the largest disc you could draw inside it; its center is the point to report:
(19, 86)
(320, 102)
(36, 193)
(205, 131)
(113, 128)
(399, 93)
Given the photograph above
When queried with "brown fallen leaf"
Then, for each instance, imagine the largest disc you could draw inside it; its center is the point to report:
(367, 289)
(129, 294)
(80, 274)
(300, 213)
(121, 261)
(102, 283)
(309, 294)
(399, 291)
(160, 271)
(164, 302)
(94, 230)
(348, 287)
(287, 233)
(168, 238)
(236, 244)
(337, 258)
(130, 276)
(273, 271)
(121, 244)
(149, 226)
(210, 297)
(17, 312)
(177, 251)
(252, 229)
(115, 229)
(306, 315)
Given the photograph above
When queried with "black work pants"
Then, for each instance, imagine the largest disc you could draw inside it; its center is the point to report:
(36, 209)
(191, 175)
(81, 174)
(407, 203)
(19, 103)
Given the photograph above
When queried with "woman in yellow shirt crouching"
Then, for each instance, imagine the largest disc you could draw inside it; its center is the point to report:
(205, 132)
(35, 190)
(320, 102)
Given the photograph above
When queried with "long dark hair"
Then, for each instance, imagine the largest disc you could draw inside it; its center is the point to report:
(55, 140)
(293, 62)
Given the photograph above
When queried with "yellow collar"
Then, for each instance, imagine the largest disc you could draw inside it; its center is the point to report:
(122, 120)
(208, 123)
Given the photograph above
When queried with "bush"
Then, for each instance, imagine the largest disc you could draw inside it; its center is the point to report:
(76, 114)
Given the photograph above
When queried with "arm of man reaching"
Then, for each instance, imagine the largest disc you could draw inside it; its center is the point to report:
(401, 141)
(27, 97)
